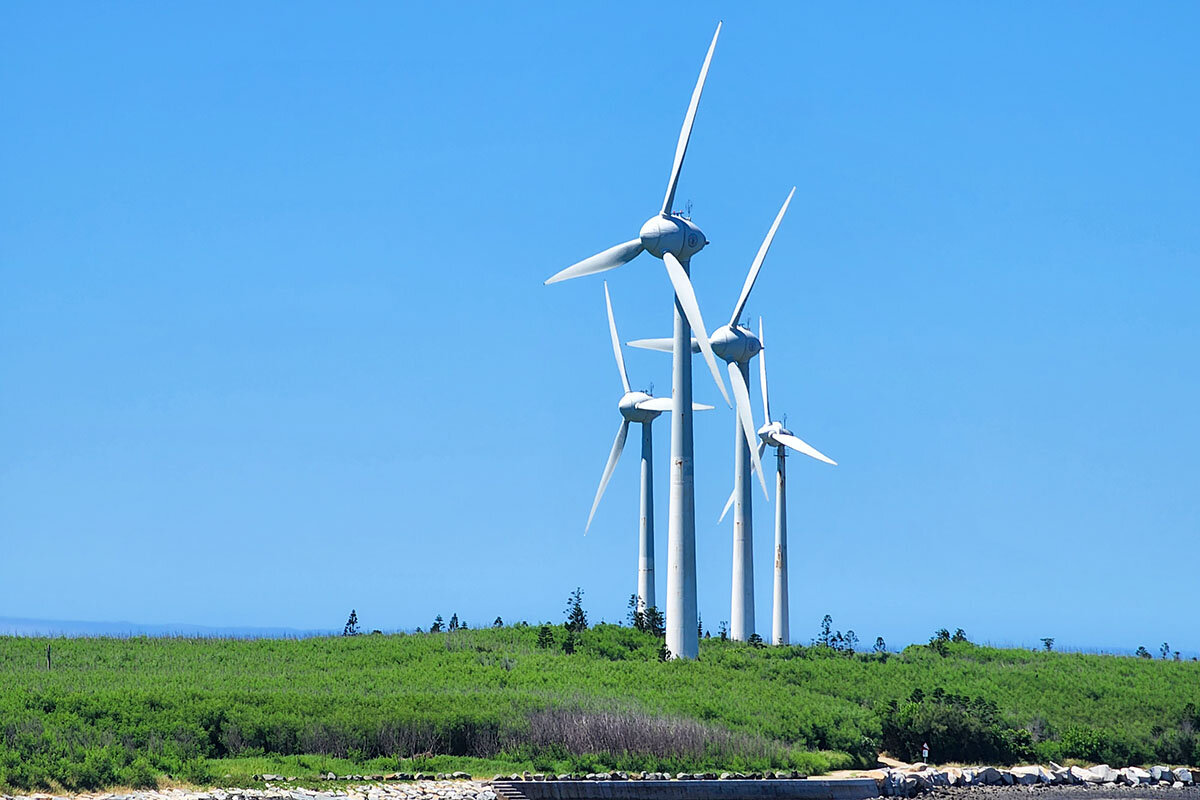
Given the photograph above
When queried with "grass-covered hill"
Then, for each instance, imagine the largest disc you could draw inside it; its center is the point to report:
(131, 711)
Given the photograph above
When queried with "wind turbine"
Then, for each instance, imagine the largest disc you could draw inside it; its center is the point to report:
(675, 239)
(637, 407)
(774, 434)
(736, 346)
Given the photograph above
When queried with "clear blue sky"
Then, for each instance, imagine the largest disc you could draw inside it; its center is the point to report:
(274, 341)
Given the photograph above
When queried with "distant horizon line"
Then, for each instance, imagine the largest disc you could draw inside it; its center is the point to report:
(38, 628)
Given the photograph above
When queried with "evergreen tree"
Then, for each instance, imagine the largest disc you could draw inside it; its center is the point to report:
(959, 636)
(438, 626)
(755, 640)
(880, 645)
(545, 637)
(664, 654)
(723, 631)
(569, 643)
(499, 623)
(826, 637)
(636, 617)
(654, 622)
(1048, 643)
(351, 628)
(454, 622)
(576, 618)
(851, 642)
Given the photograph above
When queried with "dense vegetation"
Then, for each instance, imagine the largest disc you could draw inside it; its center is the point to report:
(126, 711)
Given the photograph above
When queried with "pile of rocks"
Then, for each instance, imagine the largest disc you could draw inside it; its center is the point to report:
(393, 776)
(417, 790)
(652, 776)
(920, 778)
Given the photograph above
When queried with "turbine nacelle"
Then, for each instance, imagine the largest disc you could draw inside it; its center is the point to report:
(770, 431)
(670, 233)
(629, 407)
(735, 344)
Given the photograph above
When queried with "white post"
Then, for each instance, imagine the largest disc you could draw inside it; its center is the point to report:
(682, 641)
(645, 596)
(779, 617)
(741, 615)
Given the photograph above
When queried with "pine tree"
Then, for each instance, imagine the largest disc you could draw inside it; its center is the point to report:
(826, 637)
(880, 646)
(499, 623)
(569, 643)
(454, 622)
(437, 625)
(545, 637)
(636, 617)
(664, 654)
(351, 628)
(576, 618)
(654, 622)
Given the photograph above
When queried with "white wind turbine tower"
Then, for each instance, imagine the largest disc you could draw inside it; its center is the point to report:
(774, 434)
(637, 407)
(675, 239)
(737, 345)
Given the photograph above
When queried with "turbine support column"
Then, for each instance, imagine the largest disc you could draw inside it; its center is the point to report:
(682, 639)
(741, 615)
(779, 618)
(645, 595)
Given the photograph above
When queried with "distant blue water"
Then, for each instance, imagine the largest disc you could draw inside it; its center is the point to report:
(16, 626)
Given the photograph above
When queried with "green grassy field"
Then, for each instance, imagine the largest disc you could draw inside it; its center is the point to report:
(134, 711)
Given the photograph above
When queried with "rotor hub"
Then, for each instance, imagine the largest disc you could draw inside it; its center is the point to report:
(735, 344)
(630, 411)
(672, 234)
(769, 431)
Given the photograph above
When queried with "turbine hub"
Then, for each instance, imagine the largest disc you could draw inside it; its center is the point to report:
(630, 411)
(734, 344)
(672, 234)
(768, 432)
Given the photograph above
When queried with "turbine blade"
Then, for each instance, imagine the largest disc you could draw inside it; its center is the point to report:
(728, 505)
(666, 404)
(686, 133)
(616, 341)
(691, 309)
(742, 395)
(752, 276)
(801, 446)
(661, 345)
(655, 404)
(613, 458)
(762, 374)
(611, 258)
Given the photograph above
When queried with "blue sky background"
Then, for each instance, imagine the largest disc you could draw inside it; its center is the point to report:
(274, 341)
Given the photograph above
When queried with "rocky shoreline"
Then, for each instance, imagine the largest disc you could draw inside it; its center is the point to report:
(918, 779)
(1052, 782)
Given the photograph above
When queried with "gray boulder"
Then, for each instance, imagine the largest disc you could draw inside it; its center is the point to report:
(989, 776)
(1102, 773)
(1158, 773)
(1025, 776)
(1135, 776)
(1183, 775)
